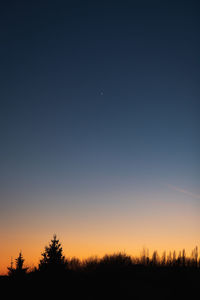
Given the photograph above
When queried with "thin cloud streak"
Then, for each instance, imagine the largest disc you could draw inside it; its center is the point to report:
(175, 188)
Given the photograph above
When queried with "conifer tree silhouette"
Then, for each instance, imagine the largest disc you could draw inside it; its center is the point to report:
(52, 258)
(19, 270)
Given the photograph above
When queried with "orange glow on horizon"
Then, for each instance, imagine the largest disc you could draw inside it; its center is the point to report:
(99, 230)
(84, 247)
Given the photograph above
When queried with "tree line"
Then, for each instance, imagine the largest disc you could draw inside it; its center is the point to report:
(54, 262)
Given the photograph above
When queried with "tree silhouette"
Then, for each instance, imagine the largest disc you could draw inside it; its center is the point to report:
(154, 259)
(19, 270)
(52, 258)
(163, 259)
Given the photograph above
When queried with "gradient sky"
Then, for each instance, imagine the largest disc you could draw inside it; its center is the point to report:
(99, 126)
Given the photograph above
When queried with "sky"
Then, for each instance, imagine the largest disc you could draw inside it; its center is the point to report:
(99, 127)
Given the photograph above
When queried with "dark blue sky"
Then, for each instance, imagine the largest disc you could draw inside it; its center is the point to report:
(109, 86)
(98, 96)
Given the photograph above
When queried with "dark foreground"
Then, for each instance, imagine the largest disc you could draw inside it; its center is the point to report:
(134, 282)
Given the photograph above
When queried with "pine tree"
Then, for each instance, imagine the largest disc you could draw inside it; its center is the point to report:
(52, 258)
(18, 270)
(11, 269)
